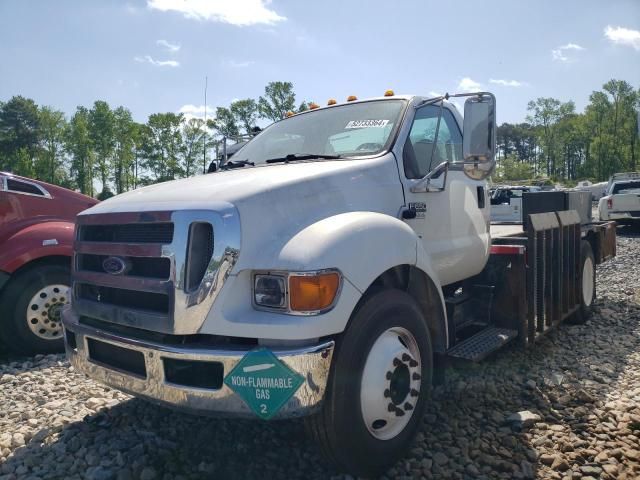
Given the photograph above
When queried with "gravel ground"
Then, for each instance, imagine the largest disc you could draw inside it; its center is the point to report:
(567, 409)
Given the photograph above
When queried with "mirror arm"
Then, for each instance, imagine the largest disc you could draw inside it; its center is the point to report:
(424, 184)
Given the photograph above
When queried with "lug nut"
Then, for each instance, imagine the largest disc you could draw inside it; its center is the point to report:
(399, 412)
(416, 376)
(396, 362)
(387, 393)
(406, 357)
(413, 363)
(414, 392)
(391, 407)
(408, 406)
(389, 375)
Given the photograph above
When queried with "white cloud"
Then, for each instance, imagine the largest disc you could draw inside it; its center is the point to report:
(196, 111)
(469, 85)
(235, 12)
(571, 46)
(171, 47)
(157, 63)
(507, 83)
(623, 36)
(559, 54)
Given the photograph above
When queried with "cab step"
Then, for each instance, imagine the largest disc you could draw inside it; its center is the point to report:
(483, 343)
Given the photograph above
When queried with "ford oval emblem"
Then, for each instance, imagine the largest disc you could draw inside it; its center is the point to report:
(114, 265)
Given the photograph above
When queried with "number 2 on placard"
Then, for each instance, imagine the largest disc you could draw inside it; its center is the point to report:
(263, 408)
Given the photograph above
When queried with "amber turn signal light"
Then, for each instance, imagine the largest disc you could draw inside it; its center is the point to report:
(308, 293)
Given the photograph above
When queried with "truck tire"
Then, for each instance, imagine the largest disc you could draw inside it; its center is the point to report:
(379, 381)
(587, 284)
(31, 305)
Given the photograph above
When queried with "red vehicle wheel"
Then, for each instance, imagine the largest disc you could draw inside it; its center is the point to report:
(31, 307)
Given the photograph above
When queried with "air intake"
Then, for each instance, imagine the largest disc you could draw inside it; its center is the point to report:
(199, 252)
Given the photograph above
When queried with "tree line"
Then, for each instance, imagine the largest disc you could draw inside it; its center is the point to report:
(106, 144)
(562, 145)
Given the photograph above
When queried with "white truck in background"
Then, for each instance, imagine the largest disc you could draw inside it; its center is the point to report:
(597, 190)
(506, 203)
(622, 199)
(329, 270)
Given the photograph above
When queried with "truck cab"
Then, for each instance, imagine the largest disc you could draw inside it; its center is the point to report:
(325, 271)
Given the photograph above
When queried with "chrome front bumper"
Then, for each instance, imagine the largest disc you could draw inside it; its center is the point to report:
(312, 362)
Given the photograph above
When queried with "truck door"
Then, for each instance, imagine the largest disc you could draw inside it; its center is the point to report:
(453, 223)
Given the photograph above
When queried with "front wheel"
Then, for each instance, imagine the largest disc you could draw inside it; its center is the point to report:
(31, 306)
(379, 382)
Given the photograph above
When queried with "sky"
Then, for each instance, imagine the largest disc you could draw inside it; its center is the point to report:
(153, 55)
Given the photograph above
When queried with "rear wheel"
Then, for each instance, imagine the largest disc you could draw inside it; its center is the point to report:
(380, 379)
(31, 310)
(587, 284)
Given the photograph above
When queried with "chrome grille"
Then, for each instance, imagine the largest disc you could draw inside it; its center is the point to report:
(149, 267)
(127, 233)
(173, 266)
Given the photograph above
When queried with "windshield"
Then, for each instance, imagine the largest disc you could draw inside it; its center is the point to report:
(623, 187)
(349, 130)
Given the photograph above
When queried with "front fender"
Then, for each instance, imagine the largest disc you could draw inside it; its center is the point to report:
(362, 245)
(36, 241)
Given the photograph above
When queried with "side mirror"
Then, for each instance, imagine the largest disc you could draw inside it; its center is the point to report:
(479, 135)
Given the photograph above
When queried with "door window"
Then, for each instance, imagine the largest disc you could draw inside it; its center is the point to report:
(419, 154)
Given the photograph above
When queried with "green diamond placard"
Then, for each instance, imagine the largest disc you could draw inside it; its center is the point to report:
(263, 382)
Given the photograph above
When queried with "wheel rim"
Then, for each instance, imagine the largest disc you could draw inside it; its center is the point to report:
(587, 281)
(390, 384)
(44, 311)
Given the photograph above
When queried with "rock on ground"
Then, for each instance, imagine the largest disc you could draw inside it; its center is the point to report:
(567, 409)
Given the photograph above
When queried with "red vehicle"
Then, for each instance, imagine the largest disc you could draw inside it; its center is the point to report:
(36, 239)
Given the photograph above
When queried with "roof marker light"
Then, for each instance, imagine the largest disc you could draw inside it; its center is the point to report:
(331, 101)
(313, 106)
(289, 114)
(389, 93)
(351, 98)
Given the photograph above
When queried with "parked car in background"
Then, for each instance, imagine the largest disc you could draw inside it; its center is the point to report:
(37, 222)
(622, 200)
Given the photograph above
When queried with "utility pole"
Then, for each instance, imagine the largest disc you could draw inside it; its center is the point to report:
(204, 137)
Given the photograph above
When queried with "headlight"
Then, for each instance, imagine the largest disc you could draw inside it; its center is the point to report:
(269, 291)
(296, 292)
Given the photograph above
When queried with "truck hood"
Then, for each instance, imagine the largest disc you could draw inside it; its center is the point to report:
(234, 186)
(275, 201)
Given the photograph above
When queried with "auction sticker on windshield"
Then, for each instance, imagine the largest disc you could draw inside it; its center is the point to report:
(367, 124)
(263, 382)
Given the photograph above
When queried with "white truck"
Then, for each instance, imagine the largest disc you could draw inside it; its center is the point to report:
(622, 199)
(329, 270)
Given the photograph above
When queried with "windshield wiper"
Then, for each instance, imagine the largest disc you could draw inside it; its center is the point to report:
(294, 157)
(235, 164)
